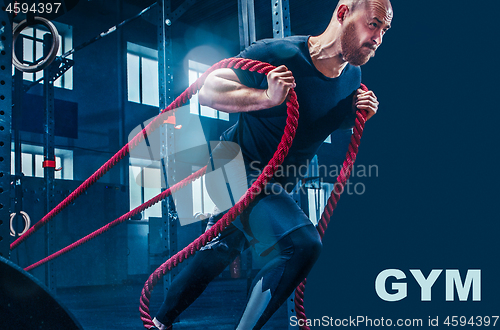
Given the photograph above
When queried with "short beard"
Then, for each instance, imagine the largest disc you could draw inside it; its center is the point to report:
(350, 51)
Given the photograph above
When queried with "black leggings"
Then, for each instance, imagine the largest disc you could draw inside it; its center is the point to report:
(296, 254)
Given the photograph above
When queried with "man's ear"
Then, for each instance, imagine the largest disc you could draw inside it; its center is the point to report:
(342, 13)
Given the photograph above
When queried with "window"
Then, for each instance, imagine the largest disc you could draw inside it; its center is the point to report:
(202, 203)
(142, 75)
(32, 159)
(318, 192)
(196, 69)
(143, 185)
(33, 51)
(317, 198)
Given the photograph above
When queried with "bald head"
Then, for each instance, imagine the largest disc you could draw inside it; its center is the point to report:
(356, 4)
(352, 4)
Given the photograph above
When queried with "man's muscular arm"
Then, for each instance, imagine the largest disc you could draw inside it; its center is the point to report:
(224, 91)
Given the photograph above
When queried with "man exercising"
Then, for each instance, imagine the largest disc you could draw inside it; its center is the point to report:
(324, 72)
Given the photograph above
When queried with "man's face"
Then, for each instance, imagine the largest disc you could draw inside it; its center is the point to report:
(363, 31)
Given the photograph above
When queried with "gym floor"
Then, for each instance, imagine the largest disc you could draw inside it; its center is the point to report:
(117, 307)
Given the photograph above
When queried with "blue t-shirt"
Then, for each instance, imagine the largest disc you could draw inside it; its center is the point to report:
(324, 104)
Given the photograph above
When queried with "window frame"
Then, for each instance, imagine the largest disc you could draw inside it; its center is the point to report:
(64, 160)
(32, 36)
(142, 53)
(198, 68)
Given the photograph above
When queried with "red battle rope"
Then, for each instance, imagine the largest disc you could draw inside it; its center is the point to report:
(243, 203)
(253, 191)
(338, 189)
(237, 209)
(121, 219)
(245, 64)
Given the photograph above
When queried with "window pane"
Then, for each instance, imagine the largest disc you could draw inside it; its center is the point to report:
(197, 197)
(208, 204)
(133, 78)
(28, 76)
(208, 112)
(28, 32)
(38, 56)
(38, 166)
(58, 174)
(135, 183)
(28, 50)
(223, 115)
(64, 159)
(39, 50)
(12, 163)
(68, 42)
(27, 163)
(150, 192)
(316, 208)
(59, 81)
(150, 82)
(61, 41)
(152, 179)
(193, 103)
(39, 75)
(28, 57)
(68, 79)
(40, 33)
(193, 75)
(153, 211)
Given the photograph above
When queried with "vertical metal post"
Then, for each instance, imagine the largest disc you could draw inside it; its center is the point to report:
(165, 75)
(122, 85)
(281, 18)
(246, 19)
(48, 153)
(5, 129)
(17, 98)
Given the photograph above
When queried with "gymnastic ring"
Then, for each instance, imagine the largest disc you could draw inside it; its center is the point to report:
(53, 49)
(27, 223)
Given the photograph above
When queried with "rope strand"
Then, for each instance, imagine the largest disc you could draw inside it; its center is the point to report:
(121, 219)
(237, 209)
(139, 137)
(155, 123)
(338, 189)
